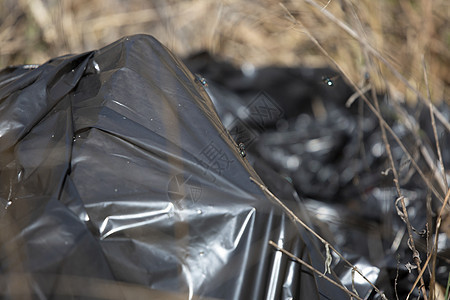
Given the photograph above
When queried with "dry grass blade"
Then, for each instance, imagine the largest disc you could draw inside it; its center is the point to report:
(384, 126)
(237, 30)
(120, 19)
(380, 57)
(447, 289)
(299, 260)
(433, 125)
(43, 18)
(368, 103)
(325, 242)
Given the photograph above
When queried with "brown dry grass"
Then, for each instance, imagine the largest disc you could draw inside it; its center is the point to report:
(32, 31)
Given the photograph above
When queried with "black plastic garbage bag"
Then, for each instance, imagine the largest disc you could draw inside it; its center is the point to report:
(335, 158)
(118, 181)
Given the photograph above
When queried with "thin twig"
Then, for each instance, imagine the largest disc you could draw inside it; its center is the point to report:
(297, 219)
(396, 278)
(356, 95)
(302, 262)
(448, 287)
(384, 125)
(353, 283)
(431, 285)
(412, 246)
(372, 108)
(435, 246)
(399, 191)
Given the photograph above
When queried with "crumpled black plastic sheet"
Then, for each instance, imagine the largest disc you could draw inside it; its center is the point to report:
(335, 158)
(119, 181)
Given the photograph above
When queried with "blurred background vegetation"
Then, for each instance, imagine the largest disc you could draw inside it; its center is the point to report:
(404, 32)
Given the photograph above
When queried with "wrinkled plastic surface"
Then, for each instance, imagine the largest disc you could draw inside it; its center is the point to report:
(119, 181)
(335, 158)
